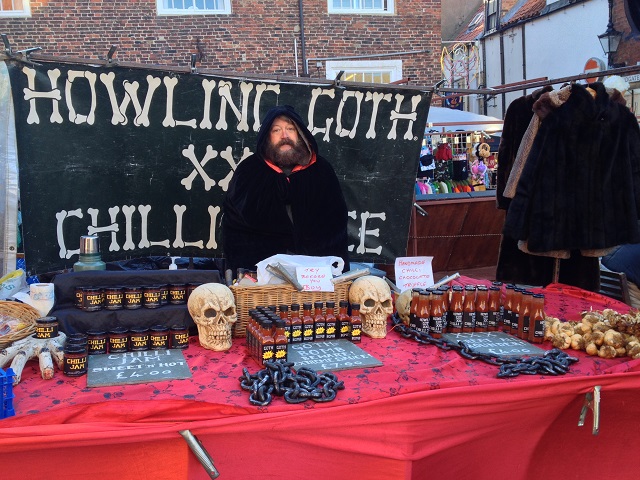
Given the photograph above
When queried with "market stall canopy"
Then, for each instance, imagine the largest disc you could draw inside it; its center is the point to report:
(450, 120)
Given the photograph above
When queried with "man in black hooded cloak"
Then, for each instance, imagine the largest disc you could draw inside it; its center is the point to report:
(285, 198)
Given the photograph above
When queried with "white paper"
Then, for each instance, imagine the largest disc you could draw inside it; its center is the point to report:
(413, 272)
(315, 279)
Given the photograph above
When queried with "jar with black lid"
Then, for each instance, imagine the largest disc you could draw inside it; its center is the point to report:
(92, 299)
(177, 293)
(159, 337)
(179, 337)
(152, 296)
(118, 340)
(46, 327)
(132, 297)
(78, 295)
(77, 339)
(96, 342)
(113, 297)
(139, 339)
(74, 360)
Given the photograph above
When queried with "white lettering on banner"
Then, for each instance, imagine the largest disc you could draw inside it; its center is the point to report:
(363, 232)
(224, 90)
(178, 242)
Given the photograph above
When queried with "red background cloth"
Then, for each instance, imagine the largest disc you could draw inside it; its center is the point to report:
(424, 410)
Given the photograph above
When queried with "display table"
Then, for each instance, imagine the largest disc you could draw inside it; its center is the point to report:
(425, 413)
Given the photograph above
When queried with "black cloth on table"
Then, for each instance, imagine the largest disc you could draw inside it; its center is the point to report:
(74, 320)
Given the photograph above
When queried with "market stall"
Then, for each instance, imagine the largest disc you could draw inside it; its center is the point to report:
(423, 410)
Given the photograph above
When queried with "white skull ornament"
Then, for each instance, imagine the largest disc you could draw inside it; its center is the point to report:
(374, 296)
(403, 306)
(213, 308)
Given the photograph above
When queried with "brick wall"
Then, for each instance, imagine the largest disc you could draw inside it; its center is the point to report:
(629, 50)
(258, 37)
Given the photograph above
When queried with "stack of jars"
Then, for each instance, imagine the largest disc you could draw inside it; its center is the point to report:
(270, 329)
(478, 308)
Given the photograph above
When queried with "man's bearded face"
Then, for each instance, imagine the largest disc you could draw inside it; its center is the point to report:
(285, 148)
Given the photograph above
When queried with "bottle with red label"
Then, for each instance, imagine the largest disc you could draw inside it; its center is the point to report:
(283, 310)
(525, 315)
(508, 308)
(515, 311)
(267, 343)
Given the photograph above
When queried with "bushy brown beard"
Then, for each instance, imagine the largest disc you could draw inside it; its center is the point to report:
(298, 155)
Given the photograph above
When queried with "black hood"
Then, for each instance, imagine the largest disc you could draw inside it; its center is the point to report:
(287, 111)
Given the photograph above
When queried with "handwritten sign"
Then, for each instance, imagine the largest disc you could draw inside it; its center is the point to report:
(330, 355)
(413, 272)
(494, 343)
(136, 367)
(315, 279)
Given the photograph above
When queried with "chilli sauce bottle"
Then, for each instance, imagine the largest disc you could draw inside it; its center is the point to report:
(280, 340)
(482, 309)
(525, 315)
(307, 323)
(494, 308)
(267, 342)
(445, 289)
(436, 321)
(356, 323)
(456, 308)
(343, 325)
(536, 319)
(283, 310)
(424, 311)
(515, 311)
(414, 320)
(331, 321)
(296, 324)
(319, 322)
(469, 309)
(508, 308)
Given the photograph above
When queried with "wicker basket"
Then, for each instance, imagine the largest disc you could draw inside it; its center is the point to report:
(22, 311)
(249, 297)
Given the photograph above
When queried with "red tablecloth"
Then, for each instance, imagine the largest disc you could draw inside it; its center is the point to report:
(424, 411)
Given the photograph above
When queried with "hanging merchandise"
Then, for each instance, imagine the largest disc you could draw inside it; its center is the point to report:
(579, 186)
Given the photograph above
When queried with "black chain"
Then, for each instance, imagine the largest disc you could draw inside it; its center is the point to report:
(553, 362)
(278, 379)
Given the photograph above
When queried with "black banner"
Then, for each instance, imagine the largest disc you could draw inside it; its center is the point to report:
(143, 157)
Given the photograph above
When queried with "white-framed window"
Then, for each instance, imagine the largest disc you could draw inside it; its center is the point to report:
(366, 71)
(14, 8)
(361, 6)
(194, 7)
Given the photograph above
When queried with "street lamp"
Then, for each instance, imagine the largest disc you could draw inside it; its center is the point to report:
(610, 39)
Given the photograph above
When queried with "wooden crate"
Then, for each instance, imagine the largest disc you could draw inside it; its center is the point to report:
(249, 297)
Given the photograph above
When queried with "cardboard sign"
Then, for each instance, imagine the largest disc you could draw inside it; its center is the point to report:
(495, 343)
(413, 272)
(330, 355)
(315, 279)
(136, 367)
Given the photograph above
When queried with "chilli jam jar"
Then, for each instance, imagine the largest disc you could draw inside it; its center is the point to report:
(113, 297)
(92, 299)
(159, 337)
(132, 297)
(179, 337)
(96, 342)
(139, 339)
(177, 293)
(118, 340)
(46, 327)
(152, 296)
(74, 360)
